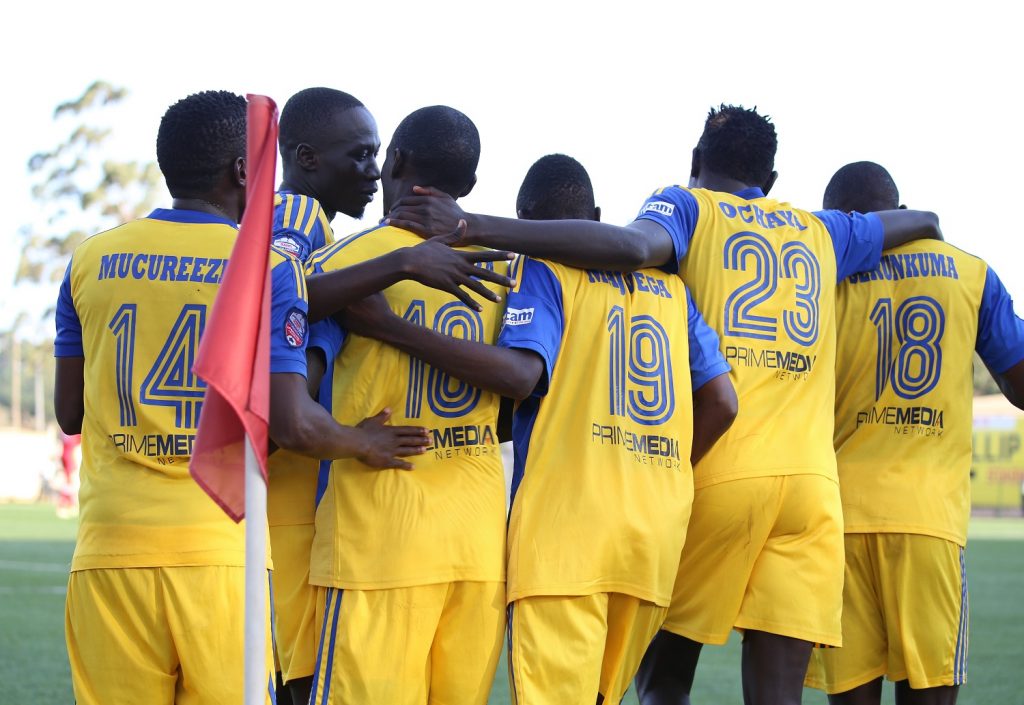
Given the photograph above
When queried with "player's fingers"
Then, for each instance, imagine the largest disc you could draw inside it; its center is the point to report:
(397, 464)
(461, 294)
(415, 431)
(480, 289)
(495, 277)
(410, 225)
(429, 191)
(381, 417)
(488, 256)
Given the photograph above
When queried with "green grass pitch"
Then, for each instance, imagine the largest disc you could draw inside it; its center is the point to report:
(36, 547)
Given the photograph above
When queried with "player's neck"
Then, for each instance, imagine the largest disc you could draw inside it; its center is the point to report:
(303, 188)
(724, 184)
(205, 206)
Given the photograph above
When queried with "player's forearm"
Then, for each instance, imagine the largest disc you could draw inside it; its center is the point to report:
(69, 394)
(310, 430)
(585, 244)
(903, 226)
(714, 408)
(330, 292)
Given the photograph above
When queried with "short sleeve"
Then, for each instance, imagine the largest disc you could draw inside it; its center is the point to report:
(327, 335)
(534, 318)
(289, 326)
(676, 210)
(293, 242)
(1000, 341)
(706, 359)
(857, 239)
(68, 342)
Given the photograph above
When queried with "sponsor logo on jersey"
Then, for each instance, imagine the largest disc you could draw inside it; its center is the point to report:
(289, 245)
(665, 209)
(295, 328)
(518, 316)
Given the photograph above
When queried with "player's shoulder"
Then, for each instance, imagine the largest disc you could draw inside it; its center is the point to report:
(112, 240)
(297, 212)
(356, 247)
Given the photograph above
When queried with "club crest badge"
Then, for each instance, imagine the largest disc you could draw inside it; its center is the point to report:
(295, 328)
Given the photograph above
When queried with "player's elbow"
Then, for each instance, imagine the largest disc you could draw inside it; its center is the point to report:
(293, 433)
(69, 420)
(930, 226)
(523, 377)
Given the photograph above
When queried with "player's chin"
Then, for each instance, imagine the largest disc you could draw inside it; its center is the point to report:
(355, 210)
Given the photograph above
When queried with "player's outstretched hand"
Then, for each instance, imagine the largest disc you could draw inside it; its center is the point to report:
(386, 445)
(435, 264)
(428, 213)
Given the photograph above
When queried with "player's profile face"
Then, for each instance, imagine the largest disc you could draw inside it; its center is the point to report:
(348, 168)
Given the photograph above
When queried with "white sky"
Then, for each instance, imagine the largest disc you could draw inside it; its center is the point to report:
(930, 90)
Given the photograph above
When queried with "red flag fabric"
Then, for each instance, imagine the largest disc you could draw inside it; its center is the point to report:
(234, 354)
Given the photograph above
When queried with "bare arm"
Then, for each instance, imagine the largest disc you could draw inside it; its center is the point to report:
(903, 226)
(299, 424)
(1011, 384)
(714, 408)
(508, 372)
(432, 263)
(586, 244)
(69, 394)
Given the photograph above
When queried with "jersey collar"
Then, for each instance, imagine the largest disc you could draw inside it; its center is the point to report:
(181, 215)
(749, 194)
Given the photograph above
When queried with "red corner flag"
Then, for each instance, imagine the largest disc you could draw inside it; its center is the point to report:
(234, 354)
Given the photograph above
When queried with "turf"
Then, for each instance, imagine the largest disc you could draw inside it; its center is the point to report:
(36, 547)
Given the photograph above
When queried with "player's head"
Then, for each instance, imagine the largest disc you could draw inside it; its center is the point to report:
(435, 146)
(329, 146)
(557, 187)
(737, 145)
(200, 148)
(863, 187)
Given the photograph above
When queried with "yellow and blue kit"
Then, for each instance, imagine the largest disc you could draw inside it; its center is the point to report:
(300, 225)
(602, 481)
(908, 331)
(140, 293)
(433, 537)
(764, 276)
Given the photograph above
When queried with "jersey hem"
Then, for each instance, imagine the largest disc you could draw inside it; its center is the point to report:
(848, 684)
(958, 539)
(320, 580)
(102, 562)
(576, 590)
(769, 472)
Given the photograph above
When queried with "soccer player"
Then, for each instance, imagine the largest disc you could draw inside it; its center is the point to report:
(907, 332)
(764, 545)
(602, 482)
(329, 143)
(153, 605)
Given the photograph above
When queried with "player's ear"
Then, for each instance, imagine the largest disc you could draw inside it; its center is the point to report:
(465, 191)
(397, 163)
(694, 167)
(523, 213)
(770, 182)
(239, 171)
(597, 214)
(306, 157)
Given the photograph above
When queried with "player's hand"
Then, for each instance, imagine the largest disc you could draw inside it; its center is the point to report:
(428, 213)
(368, 317)
(435, 264)
(386, 445)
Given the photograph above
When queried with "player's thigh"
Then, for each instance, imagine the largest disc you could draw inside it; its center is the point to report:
(119, 644)
(375, 645)
(206, 611)
(796, 586)
(863, 657)
(467, 643)
(557, 648)
(295, 623)
(924, 596)
(632, 624)
(729, 525)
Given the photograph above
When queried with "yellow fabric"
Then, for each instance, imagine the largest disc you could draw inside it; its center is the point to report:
(570, 649)
(160, 636)
(436, 644)
(444, 521)
(291, 489)
(904, 615)
(905, 457)
(785, 388)
(762, 553)
(295, 622)
(603, 500)
(139, 505)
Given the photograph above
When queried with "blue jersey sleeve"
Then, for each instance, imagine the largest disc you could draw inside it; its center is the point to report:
(1000, 341)
(327, 335)
(856, 238)
(706, 359)
(534, 319)
(289, 327)
(676, 210)
(68, 342)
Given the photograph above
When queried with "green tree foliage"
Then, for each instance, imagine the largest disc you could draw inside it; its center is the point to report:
(81, 193)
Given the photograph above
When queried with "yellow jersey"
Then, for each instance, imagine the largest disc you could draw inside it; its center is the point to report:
(602, 484)
(445, 519)
(134, 303)
(908, 330)
(764, 276)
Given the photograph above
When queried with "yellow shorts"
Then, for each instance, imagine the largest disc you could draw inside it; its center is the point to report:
(424, 644)
(159, 636)
(764, 553)
(905, 614)
(295, 603)
(569, 649)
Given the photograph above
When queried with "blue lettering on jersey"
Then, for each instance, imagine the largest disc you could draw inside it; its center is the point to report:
(166, 268)
(769, 220)
(630, 281)
(914, 265)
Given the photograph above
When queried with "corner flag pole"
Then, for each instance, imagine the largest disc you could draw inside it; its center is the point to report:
(256, 580)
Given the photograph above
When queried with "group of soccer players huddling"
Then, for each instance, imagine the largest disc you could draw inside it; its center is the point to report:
(728, 414)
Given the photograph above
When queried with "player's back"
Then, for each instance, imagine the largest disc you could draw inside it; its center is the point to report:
(763, 274)
(443, 520)
(602, 485)
(904, 376)
(142, 293)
